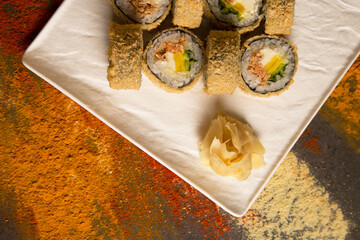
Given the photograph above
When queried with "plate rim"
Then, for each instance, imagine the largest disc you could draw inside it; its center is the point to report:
(26, 60)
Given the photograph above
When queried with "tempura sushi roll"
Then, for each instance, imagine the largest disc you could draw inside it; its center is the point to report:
(223, 62)
(279, 17)
(268, 64)
(125, 51)
(148, 13)
(173, 60)
(188, 13)
(243, 14)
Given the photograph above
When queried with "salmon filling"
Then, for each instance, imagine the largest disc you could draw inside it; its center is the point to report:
(172, 47)
(256, 68)
(175, 55)
(267, 65)
(143, 7)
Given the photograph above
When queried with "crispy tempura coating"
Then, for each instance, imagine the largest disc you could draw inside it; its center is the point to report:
(188, 13)
(125, 51)
(279, 17)
(223, 62)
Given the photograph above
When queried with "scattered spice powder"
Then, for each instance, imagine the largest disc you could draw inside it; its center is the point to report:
(294, 205)
(342, 109)
(312, 143)
(63, 191)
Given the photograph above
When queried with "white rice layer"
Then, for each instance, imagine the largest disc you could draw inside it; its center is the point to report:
(161, 68)
(251, 13)
(128, 9)
(281, 48)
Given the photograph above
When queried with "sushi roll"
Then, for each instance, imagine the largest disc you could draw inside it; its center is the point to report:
(279, 17)
(149, 13)
(125, 51)
(223, 62)
(245, 15)
(173, 60)
(268, 64)
(188, 13)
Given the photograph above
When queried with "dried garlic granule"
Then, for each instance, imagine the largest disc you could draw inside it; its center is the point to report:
(294, 205)
(230, 148)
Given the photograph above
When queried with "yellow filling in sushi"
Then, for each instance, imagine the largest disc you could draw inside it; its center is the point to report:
(268, 65)
(174, 54)
(233, 7)
(179, 62)
(241, 8)
(237, 6)
(273, 65)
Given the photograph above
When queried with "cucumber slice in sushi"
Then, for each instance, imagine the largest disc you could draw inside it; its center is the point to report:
(245, 15)
(268, 65)
(173, 60)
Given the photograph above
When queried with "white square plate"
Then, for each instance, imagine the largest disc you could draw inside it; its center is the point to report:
(70, 53)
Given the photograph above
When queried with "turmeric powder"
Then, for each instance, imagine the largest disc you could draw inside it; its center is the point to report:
(342, 108)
